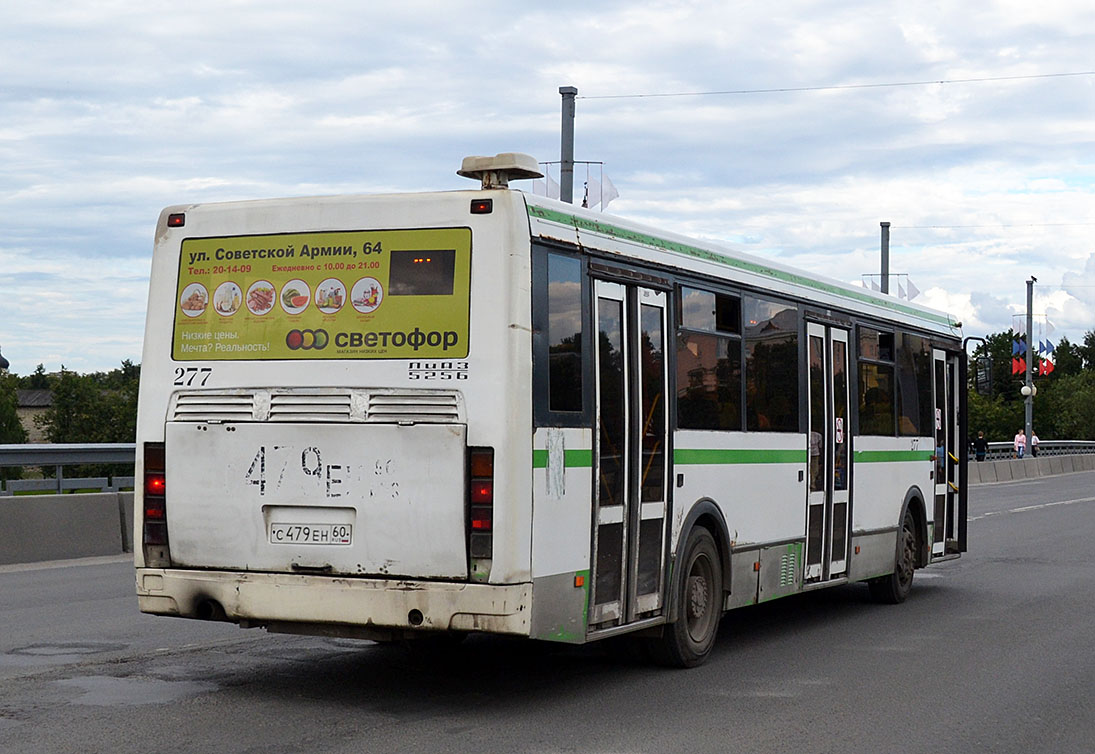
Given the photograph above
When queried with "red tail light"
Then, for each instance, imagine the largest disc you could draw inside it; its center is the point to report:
(154, 483)
(482, 492)
(481, 503)
(154, 530)
(481, 519)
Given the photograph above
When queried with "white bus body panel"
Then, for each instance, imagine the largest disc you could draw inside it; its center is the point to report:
(761, 502)
(882, 485)
(365, 499)
(561, 493)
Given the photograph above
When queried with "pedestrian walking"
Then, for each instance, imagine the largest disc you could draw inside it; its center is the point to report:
(1033, 443)
(980, 446)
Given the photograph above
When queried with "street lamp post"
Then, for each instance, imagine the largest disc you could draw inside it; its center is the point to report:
(1029, 391)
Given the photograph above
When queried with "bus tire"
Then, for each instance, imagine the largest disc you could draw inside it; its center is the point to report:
(894, 588)
(687, 642)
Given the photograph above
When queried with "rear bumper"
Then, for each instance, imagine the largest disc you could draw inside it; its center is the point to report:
(335, 605)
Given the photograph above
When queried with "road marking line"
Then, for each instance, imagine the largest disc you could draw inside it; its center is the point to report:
(1040, 506)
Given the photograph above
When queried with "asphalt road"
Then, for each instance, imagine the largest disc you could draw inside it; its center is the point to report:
(991, 653)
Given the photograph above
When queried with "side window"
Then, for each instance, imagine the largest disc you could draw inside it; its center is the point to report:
(771, 365)
(876, 382)
(709, 361)
(559, 343)
(564, 311)
(914, 385)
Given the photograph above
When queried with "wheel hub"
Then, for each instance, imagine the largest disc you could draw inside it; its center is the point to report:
(697, 596)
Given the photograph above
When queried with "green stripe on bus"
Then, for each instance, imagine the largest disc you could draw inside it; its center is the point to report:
(722, 457)
(891, 456)
(865, 297)
(571, 459)
(705, 457)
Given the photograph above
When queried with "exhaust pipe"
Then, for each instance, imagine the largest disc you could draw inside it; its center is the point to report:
(211, 610)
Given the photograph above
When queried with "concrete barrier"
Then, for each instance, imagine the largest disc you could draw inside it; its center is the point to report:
(56, 527)
(1028, 468)
(974, 473)
(125, 502)
(987, 470)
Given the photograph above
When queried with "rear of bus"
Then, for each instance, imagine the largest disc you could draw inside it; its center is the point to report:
(325, 386)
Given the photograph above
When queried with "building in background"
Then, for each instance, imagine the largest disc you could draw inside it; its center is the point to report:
(31, 405)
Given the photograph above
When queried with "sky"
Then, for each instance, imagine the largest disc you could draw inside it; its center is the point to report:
(111, 110)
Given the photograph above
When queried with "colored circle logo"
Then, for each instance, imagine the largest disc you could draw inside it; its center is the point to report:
(307, 340)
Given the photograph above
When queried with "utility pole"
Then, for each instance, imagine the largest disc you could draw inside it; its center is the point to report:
(1029, 390)
(885, 257)
(566, 152)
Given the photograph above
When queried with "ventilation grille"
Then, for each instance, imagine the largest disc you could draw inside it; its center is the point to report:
(331, 406)
(418, 407)
(788, 569)
(213, 407)
(296, 407)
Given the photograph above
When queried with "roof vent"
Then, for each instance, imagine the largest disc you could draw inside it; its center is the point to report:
(496, 172)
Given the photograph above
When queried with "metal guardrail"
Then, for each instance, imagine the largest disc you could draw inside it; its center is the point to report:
(1000, 451)
(59, 455)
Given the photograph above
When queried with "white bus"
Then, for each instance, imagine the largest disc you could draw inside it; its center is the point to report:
(413, 415)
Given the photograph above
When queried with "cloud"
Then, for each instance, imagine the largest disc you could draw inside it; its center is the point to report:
(111, 113)
(1081, 285)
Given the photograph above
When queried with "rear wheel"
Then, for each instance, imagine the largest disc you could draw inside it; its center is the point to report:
(893, 589)
(687, 642)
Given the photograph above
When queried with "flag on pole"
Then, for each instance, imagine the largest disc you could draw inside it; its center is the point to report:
(913, 291)
(874, 285)
(900, 289)
(546, 187)
(600, 193)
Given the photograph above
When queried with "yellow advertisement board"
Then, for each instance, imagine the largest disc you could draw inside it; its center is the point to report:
(376, 294)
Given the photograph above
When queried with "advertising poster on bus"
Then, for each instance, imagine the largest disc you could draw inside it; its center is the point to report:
(386, 294)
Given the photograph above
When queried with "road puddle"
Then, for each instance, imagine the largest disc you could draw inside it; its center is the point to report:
(108, 691)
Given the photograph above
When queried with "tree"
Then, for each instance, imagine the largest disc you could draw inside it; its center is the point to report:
(997, 418)
(1066, 410)
(98, 407)
(997, 347)
(11, 430)
(71, 418)
(1069, 359)
(1087, 350)
(1064, 407)
(37, 381)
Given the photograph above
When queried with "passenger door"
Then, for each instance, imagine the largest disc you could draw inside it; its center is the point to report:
(631, 465)
(829, 447)
(944, 385)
